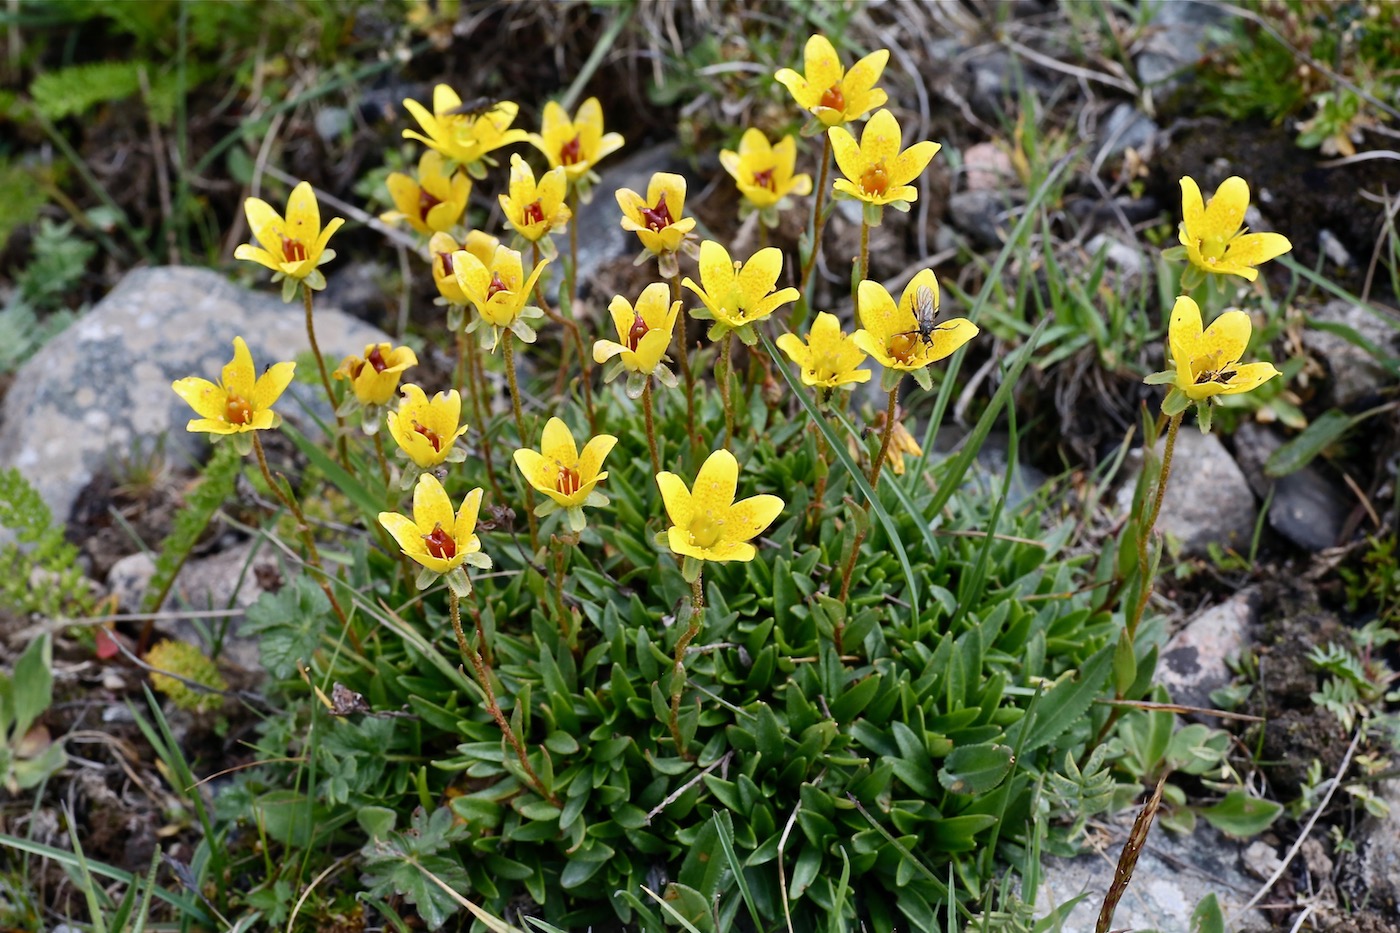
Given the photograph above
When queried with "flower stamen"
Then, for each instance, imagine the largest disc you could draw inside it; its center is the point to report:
(237, 410)
(433, 437)
(876, 179)
(764, 179)
(426, 202)
(533, 213)
(638, 330)
(497, 285)
(375, 359)
(447, 270)
(833, 98)
(439, 543)
(659, 217)
(571, 153)
(567, 482)
(293, 250)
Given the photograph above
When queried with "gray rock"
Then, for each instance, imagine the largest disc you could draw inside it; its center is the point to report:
(1355, 373)
(128, 579)
(1194, 662)
(1180, 35)
(104, 384)
(1208, 498)
(1380, 853)
(225, 580)
(1308, 507)
(1125, 128)
(1174, 874)
(1125, 258)
(979, 214)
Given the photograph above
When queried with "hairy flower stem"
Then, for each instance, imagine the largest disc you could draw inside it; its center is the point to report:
(283, 491)
(574, 332)
(726, 387)
(475, 378)
(697, 615)
(818, 221)
(684, 353)
(383, 461)
(340, 449)
(762, 234)
(562, 543)
(879, 463)
(1145, 532)
(651, 428)
(863, 270)
(848, 570)
(509, 341)
(482, 672)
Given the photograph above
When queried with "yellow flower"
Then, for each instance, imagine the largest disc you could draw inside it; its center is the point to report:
(905, 337)
(834, 96)
(1213, 233)
(575, 145)
(535, 210)
(876, 171)
(434, 202)
(764, 173)
(441, 248)
(293, 247)
(464, 138)
(656, 219)
(738, 295)
(706, 522)
(829, 359)
(427, 431)
(434, 536)
(1207, 363)
(375, 376)
(567, 477)
(499, 290)
(241, 401)
(643, 333)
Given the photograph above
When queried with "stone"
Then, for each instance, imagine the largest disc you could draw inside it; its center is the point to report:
(981, 215)
(103, 385)
(1179, 36)
(1125, 128)
(1173, 875)
(1208, 499)
(987, 167)
(128, 579)
(1125, 258)
(1196, 659)
(227, 579)
(1355, 373)
(1380, 852)
(1308, 507)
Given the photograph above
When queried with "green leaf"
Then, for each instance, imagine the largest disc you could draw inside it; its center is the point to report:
(400, 864)
(1067, 702)
(975, 769)
(1239, 814)
(1207, 917)
(32, 688)
(1325, 430)
(288, 625)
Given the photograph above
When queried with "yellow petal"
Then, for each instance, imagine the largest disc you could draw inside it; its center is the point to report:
(758, 276)
(796, 350)
(271, 385)
(1251, 249)
(431, 505)
(713, 492)
(910, 163)
(947, 338)
(716, 271)
(203, 396)
(444, 99)
(1225, 338)
(676, 498)
(266, 225)
(260, 256)
(558, 443)
(873, 346)
(880, 139)
(538, 471)
(848, 155)
(590, 460)
(862, 77)
(239, 377)
(403, 530)
(303, 215)
(821, 64)
(1250, 376)
(878, 312)
(751, 516)
(1225, 212)
(465, 527)
(1193, 208)
(1184, 330)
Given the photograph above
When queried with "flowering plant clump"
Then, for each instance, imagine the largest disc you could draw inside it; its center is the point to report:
(439, 541)
(706, 523)
(1212, 233)
(907, 337)
(427, 431)
(576, 145)
(877, 171)
(657, 220)
(464, 138)
(827, 359)
(241, 401)
(500, 292)
(1206, 362)
(292, 247)
(643, 334)
(764, 174)
(374, 378)
(738, 295)
(568, 478)
(432, 203)
(833, 95)
(535, 210)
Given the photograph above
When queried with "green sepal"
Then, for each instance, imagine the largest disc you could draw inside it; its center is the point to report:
(1192, 278)
(923, 378)
(690, 568)
(701, 313)
(668, 265)
(613, 369)
(476, 169)
(410, 475)
(289, 289)
(662, 540)
(455, 455)
(242, 442)
(426, 578)
(524, 331)
(812, 128)
(1204, 410)
(548, 250)
(456, 317)
(327, 255)
(546, 508)
(664, 376)
(478, 559)
(315, 280)
(769, 216)
(890, 379)
(1174, 254)
(596, 500)
(636, 384)
(901, 206)
(872, 214)
(1175, 403)
(747, 335)
(574, 515)
(1165, 377)
(458, 582)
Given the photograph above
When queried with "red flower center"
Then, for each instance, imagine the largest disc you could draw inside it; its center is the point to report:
(432, 437)
(571, 153)
(293, 250)
(440, 543)
(447, 269)
(876, 179)
(567, 481)
(764, 179)
(638, 330)
(534, 213)
(833, 98)
(237, 410)
(376, 359)
(497, 285)
(659, 217)
(426, 202)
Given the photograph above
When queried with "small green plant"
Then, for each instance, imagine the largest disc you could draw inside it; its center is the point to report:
(28, 755)
(180, 670)
(44, 577)
(1376, 583)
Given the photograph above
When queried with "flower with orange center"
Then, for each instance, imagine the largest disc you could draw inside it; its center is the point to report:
(441, 249)
(656, 219)
(291, 247)
(764, 172)
(1213, 232)
(434, 202)
(877, 171)
(375, 376)
(735, 295)
(828, 359)
(465, 138)
(427, 431)
(240, 401)
(907, 337)
(643, 334)
(831, 94)
(575, 145)
(500, 292)
(568, 478)
(440, 541)
(535, 210)
(706, 522)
